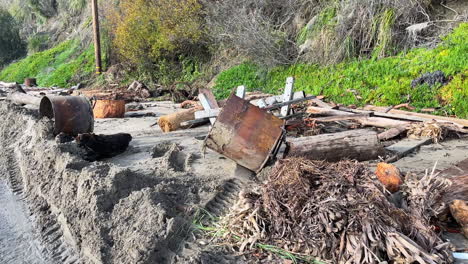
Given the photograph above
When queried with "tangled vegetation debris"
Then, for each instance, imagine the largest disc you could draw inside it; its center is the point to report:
(340, 213)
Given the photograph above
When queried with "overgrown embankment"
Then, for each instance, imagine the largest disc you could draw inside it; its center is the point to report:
(383, 82)
(63, 66)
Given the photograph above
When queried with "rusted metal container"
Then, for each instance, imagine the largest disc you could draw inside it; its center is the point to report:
(30, 82)
(109, 108)
(72, 114)
(245, 133)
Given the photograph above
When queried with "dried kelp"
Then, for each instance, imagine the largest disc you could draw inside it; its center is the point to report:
(337, 212)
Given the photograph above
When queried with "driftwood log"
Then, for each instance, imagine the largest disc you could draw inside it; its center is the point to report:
(97, 147)
(359, 144)
(22, 98)
(173, 121)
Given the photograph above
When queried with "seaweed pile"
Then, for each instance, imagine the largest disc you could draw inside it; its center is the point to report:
(339, 213)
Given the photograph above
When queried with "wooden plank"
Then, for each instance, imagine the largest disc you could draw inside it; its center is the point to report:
(240, 92)
(294, 101)
(261, 103)
(288, 95)
(405, 147)
(208, 113)
(206, 105)
(321, 103)
(425, 117)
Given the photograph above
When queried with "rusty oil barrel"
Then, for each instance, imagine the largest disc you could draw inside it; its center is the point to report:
(30, 82)
(109, 109)
(72, 114)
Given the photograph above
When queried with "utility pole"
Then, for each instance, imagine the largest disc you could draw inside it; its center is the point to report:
(97, 37)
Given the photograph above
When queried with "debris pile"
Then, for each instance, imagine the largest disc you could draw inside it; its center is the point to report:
(339, 212)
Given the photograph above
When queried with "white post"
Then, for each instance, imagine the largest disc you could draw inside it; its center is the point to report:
(241, 91)
(288, 95)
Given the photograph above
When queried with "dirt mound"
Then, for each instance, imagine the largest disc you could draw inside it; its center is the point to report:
(98, 212)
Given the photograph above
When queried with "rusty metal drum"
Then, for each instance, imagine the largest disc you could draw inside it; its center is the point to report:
(109, 109)
(71, 114)
(245, 133)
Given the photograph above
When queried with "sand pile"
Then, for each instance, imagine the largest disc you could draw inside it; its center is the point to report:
(98, 212)
(339, 213)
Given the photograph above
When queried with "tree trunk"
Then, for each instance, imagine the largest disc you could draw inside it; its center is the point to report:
(360, 144)
(21, 98)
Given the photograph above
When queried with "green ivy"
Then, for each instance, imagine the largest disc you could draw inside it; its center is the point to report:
(381, 82)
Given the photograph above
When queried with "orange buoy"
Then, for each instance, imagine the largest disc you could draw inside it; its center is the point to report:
(390, 176)
(109, 109)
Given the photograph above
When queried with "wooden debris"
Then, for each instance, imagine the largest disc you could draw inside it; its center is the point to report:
(404, 147)
(335, 212)
(390, 176)
(431, 129)
(459, 210)
(22, 98)
(356, 144)
(393, 132)
(173, 121)
(421, 117)
(97, 147)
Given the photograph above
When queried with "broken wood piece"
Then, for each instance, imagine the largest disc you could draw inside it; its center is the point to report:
(361, 145)
(337, 118)
(321, 103)
(294, 101)
(97, 147)
(405, 105)
(8, 85)
(195, 123)
(393, 132)
(390, 176)
(208, 101)
(22, 98)
(173, 121)
(404, 147)
(287, 96)
(420, 116)
(361, 118)
(240, 92)
(459, 210)
(209, 113)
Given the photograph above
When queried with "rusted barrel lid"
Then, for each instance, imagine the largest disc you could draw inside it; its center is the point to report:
(71, 114)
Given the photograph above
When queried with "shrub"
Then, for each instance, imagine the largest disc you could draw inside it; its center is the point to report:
(38, 42)
(53, 67)
(244, 74)
(147, 31)
(11, 45)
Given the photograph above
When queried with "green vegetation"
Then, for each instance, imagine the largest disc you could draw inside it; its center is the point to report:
(382, 82)
(53, 67)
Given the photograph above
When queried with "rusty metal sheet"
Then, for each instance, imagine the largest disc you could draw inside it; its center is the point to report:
(72, 114)
(245, 133)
